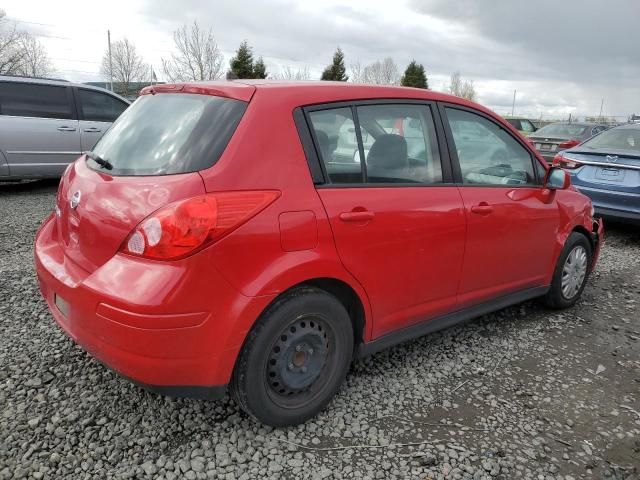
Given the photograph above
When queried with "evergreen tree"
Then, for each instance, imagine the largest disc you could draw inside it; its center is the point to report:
(259, 69)
(242, 63)
(414, 76)
(336, 71)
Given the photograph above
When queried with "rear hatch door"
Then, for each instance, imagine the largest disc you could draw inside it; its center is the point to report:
(153, 154)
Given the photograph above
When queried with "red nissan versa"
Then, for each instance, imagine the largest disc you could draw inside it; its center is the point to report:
(258, 236)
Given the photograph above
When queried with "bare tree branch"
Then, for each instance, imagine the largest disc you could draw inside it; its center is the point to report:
(288, 73)
(198, 56)
(127, 65)
(462, 88)
(35, 61)
(10, 46)
(383, 72)
(357, 73)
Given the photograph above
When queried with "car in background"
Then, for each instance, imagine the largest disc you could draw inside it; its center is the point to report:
(606, 168)
(46, 124)
(220, 236)
(523, 125)
(555, 137)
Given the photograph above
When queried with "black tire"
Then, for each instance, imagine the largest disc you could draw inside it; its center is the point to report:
(294, 359)
(555, 297)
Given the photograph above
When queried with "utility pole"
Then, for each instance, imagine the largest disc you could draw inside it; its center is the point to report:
(601, 105)
(513, 105)
(110, 62)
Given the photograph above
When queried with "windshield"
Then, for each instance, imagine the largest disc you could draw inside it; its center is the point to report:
(561, 130)
(169, 133)
(615, 139)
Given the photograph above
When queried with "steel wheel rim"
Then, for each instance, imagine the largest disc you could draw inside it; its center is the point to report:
(300, 360)
(574, 272)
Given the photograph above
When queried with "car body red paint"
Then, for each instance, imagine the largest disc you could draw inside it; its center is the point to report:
(409, 254)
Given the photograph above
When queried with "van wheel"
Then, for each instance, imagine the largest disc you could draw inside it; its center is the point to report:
(571, 273)
(294, 359)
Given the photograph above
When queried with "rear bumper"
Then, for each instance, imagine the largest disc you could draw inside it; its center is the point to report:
(168, 327)
(611, 203)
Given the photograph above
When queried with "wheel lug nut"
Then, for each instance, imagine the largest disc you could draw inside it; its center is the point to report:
(310, 351)
(303, 369)
(290, 366)
(298, 348)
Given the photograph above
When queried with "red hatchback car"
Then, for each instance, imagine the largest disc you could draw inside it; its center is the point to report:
(256, 236)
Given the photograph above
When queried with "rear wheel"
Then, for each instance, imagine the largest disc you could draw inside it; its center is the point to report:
(294, 359)
(571, 273)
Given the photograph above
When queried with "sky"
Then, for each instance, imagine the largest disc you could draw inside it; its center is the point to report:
(560, 56)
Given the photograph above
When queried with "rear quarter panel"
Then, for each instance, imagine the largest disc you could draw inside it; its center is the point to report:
(266, 153)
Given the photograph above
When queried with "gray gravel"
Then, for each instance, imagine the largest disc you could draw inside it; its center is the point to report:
(523, 393)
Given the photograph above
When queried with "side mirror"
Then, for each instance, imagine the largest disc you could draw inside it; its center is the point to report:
(557, 179)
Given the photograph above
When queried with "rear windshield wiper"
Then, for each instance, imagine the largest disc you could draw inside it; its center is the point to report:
(99, 160)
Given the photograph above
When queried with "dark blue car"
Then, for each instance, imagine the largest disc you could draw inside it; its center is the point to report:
(607, 169)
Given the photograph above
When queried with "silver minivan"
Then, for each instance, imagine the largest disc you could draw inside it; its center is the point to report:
(46, 124)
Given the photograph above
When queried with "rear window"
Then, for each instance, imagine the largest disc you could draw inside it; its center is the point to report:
(615, 139)
(561, 130)
(169, 133)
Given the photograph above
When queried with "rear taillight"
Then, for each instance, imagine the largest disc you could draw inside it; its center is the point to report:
(184, 227)
(569, 144)
(563, 162)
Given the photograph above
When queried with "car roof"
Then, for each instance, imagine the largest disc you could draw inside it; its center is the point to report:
(56, 82)
(308, 92)
(628, 126)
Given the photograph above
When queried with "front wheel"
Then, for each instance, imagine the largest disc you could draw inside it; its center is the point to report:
(571, 273)
(294, 359)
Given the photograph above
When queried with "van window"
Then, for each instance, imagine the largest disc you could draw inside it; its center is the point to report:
(169, 133)
(31, 100)
(99, 107)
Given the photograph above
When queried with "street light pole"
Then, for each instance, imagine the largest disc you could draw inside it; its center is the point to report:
(110, 63)
(513, 105)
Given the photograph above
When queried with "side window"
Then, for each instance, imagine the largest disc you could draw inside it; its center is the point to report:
(398, 141)
(403, 146)
(337, 145)
(30, 100)
(487, 154)
(99, 107)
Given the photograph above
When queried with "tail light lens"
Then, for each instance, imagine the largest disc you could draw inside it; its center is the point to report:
(182, 228)
(563, 162)
(569, 144)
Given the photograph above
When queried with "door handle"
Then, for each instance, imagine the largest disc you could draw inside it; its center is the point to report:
(92, 130)
(363, 216)
(66, 129)
(483, 208)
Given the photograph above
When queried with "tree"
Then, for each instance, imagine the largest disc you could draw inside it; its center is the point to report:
(259, 69)
(414, 76)
(242, 63)
(20, 52)
(357, 72)
(10, 40)
(125, 66)
(336, 71)
(243, 66)
(287, 73)
(35, 61)
(383, 72)
(197, 58)
(462, 88)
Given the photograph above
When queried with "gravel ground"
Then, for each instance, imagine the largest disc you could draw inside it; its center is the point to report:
(523, 393)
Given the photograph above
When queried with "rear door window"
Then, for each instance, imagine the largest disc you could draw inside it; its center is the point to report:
(396, 144)
(169, 133)
(32, 100)
(487, 154)
(99, 107)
